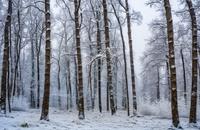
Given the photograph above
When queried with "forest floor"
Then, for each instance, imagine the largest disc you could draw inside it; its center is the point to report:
(62, 120)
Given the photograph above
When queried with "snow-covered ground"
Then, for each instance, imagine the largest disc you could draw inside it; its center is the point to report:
(63, 120)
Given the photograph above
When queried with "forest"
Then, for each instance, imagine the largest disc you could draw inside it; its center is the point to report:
(99, 64)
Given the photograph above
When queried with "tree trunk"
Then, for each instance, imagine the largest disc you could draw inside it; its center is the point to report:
(172, 67)
(58, 73)
(38, 47)
(45, 105)
(158, 85)
(108, 58)
(59, 86)
(131, 58)
(32, 87)
(99, 60)
(5, 64)
(184, 77)
(193, 107)
(125, 61)
(69, 84)
(79, 59)
(76, 81)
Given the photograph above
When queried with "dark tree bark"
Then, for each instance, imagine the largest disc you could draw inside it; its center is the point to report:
(158, 85)
(99, 60)
(124, 56)
(76, 81)
(193, 107)
(32, 86)
(5, 64)
(172, 67)
(108, 58)
(97, 15)
(79, 59)
(131, 58)
(45, 105)
(38, 49)
(17, 87)
(184, 77)
(69, 91)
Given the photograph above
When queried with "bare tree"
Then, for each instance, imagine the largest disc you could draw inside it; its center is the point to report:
(172, 67)
(45, 105)
(124, 56)
(108, 57)
(193, 107)
(79, 59)
(4, 83)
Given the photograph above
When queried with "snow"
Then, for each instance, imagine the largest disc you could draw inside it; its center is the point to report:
(64, 120)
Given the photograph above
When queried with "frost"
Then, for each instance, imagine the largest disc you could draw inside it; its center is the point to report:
(173, 66)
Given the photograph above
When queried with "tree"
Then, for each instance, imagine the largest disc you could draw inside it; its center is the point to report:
(108, 57)
(45, 105)
(124, 56)
(193, 107)
(172, 67)
(130, 41)
(79, 60)
(4, 83)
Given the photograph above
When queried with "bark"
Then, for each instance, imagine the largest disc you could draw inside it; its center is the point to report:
(168, 80)
(69, 85)
(17, 87)
(131, 58)
(184, 77)
(58, 73)
(99, 60)
(108, 58)
(158, 85)
(125, 61)
(32, 86)
(95, 85)
(172, 67)
(76, 81)
(5, 64)
(79, 59)
(38, 49)
(193, 107)
(45, 105)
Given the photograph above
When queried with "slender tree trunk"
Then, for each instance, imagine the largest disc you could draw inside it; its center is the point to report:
(97, 15)
(168, 80)
(17, 87)
(76, 81)
(45, 105)
(8, 85)
(107, 99)
(108, 58)
(115, 78)
(38, 80)
(193, 107)
(125, 61)
(32, 87)
(59, 86)
(5, 64)
(38, 48)
(124, 104)
(131, 58)
(95, 85)
(58, 73)
(184, 77)
(69, 84)
(99, 60)
(79, 59)
(172, 67)
(158, 85)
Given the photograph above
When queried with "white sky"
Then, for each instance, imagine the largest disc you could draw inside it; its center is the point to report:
(141, 32)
